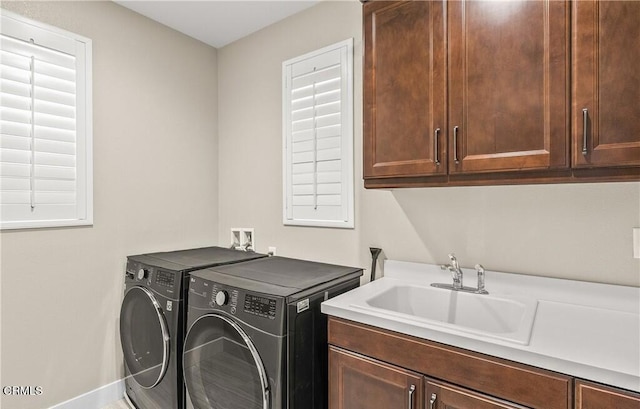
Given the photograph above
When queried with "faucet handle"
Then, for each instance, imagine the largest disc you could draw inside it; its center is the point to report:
(480, 270)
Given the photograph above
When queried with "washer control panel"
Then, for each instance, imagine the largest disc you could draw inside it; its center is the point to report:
(222, 298)
(165, 278)
(142, 274)
(163, 281)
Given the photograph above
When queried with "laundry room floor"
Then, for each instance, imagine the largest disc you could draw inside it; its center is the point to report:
(121, 404)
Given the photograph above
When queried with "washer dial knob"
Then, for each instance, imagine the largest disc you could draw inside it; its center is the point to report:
(142, 274)
(222, 297)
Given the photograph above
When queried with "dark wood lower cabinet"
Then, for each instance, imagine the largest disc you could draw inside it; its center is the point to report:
(505, 380)
(439, 395)
(357, 382)
(374, 368)
(593, 396)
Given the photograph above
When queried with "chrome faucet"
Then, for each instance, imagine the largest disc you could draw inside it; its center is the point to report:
(456, 273)
(454, 269)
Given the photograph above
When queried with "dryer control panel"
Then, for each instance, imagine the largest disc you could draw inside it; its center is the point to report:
(259, 310)
(260, 306)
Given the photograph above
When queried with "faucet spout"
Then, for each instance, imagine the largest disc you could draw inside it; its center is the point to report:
(454, 261)
(456, 273)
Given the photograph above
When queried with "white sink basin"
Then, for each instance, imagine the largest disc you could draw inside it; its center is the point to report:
(502, 317)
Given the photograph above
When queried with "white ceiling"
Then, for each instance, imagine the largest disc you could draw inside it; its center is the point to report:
(215, 22)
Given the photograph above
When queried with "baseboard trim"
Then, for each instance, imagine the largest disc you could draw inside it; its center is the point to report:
(95, 399)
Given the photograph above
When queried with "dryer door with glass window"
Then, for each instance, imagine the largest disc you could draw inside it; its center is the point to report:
(222, 368)
(144, 337)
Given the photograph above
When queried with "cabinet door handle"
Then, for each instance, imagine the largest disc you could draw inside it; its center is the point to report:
(455, 144)
(432, 401)
(436, 135)
(412, 389)
(585, 123)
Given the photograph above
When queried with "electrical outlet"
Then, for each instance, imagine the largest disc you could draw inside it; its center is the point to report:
(636, 242)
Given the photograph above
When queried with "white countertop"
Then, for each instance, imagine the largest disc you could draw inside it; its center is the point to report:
(586, 330)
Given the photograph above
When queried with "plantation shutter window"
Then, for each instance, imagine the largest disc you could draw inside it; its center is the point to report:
(45, 125)
(318, 137)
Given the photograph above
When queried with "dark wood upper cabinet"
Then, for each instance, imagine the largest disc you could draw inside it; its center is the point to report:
(404, 89)
(471, 92)
(508, 85)
(606, 83)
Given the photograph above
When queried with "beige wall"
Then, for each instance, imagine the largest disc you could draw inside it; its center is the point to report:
(155, 188)
(569, 231)
(250, 137)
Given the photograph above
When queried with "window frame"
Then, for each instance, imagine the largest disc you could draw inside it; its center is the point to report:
(347, 139)
(20, 28)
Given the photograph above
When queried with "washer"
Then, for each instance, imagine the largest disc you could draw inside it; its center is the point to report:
(153, 319)
(257, 338)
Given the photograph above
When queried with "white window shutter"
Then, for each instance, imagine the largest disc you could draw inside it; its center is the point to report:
(45, 125)
(318, 137)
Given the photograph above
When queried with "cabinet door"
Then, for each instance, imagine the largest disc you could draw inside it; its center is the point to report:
(593, 396)
(404, 89)
(356, 382)
(606, 83)
(508, 84)
(440, 395)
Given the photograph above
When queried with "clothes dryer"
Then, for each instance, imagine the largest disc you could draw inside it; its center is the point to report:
(257, 338)
(153, 318)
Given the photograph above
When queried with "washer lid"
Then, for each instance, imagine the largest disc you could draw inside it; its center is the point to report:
(194, 259)
(279, 276)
